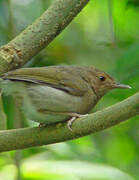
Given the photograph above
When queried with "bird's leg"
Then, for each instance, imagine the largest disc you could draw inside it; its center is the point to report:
(70, 122)
(74, 117)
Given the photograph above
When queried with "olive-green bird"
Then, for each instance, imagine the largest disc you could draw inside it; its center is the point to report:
(58, 93)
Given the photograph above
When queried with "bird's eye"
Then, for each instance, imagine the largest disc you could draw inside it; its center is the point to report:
(102, 78)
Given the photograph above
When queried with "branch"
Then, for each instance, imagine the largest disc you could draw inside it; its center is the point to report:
(38, 35)
(37, 136)
(3, 117)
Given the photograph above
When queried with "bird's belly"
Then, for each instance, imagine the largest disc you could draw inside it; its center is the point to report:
(44, 98)
(45, 102)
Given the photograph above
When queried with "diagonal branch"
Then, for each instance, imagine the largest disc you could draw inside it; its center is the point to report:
(38, 35)
(29, 137)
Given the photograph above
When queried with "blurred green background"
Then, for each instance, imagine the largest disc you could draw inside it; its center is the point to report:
(106, 35)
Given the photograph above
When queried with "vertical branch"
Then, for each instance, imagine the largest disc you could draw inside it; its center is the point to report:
(17, 160)
(17, 114)
(11, 29)
(110, 14)
(18, 123)
(3, 118)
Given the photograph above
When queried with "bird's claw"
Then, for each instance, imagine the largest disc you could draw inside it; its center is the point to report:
(74, 117)
(69, 124)
(42, 125)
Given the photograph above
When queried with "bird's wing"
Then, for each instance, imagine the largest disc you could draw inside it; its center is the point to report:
(63, 78)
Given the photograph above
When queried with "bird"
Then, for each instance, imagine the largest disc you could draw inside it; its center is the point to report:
(58, 93)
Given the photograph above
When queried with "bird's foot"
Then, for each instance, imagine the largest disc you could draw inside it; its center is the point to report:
(42, 125)
(74, 117)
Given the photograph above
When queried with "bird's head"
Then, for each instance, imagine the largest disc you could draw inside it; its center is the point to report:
(102, 82)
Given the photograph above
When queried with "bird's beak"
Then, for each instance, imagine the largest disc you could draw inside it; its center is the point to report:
(122, 86)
